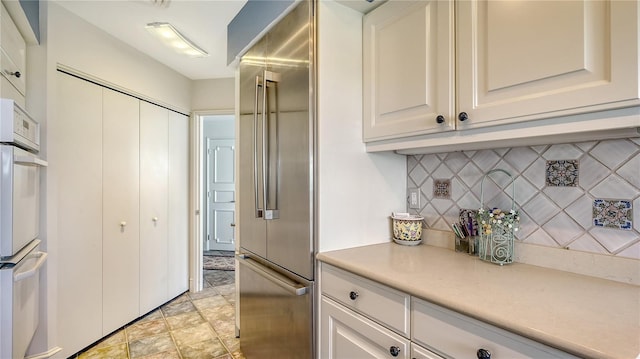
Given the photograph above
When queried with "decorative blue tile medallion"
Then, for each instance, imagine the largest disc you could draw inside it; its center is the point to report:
(613, 213)
(562, 173)
(442, 188)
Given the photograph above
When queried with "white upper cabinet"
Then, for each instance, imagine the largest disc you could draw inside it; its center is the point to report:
(526, 60)
(503, 64)
(408, 69)
(13, 54)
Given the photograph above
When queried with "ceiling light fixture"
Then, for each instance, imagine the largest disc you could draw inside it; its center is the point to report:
(174, 39)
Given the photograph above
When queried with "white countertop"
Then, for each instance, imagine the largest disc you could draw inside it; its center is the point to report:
(582, 315)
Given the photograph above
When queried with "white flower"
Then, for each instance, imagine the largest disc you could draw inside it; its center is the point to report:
(499, 221)
(510, 225)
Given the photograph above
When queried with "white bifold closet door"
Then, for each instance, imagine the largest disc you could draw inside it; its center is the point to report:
(120, 215)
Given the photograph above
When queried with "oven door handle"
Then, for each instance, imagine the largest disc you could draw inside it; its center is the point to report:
(30, 161)
(31, 272)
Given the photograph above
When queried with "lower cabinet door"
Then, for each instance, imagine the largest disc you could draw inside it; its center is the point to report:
(348, 335)
(418, 352)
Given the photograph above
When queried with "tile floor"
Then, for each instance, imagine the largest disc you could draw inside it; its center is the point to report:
(194, 325)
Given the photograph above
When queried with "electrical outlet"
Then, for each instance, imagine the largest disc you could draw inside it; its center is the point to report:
(414, 198)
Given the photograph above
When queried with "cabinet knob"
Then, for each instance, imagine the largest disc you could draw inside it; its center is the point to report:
(155, 219)
(353, 295)
(17, 74)
(123, 223)
(462, 116)
(394, 351)
(483, 354)
(440, 119)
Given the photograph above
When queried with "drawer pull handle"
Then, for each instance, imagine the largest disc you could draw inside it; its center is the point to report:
(483, 354)
(394, 351)
(440, 119)
(353, 295)
(463, 116)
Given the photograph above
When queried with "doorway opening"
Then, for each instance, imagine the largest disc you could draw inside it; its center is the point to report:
(214, 175)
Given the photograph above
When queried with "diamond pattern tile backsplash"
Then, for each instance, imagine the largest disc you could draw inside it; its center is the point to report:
(583, 196)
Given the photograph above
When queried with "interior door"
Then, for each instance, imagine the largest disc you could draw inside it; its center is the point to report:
(154, 254)
(221, 206)
(121, 210)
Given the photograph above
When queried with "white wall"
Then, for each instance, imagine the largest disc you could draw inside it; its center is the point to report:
(215, 94)
(357, 191)
(75, 43)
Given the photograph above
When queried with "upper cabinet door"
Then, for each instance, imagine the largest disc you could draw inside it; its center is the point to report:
(525, 60)
(408, 66)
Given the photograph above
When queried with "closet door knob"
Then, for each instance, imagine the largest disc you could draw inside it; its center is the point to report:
(17, 74)
(440, 119)
(462, 116)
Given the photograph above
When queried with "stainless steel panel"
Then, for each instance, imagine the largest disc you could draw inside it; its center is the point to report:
(290, 50)
(252, 234)
(276, 316)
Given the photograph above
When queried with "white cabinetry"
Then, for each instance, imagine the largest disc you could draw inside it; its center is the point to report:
(458, 336)
(408, 69)
(359, 319)
(13, 51)
(121, 180)
(349, 335)
(514, 62)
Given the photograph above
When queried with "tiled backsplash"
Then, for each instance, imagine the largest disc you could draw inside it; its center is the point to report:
(583, 196)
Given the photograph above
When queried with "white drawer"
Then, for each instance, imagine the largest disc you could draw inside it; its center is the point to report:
(385, 305)
(457, 336)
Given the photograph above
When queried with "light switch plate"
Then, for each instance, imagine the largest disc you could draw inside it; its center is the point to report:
(414, 198)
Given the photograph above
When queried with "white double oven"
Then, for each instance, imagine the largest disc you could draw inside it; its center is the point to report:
(20, 256)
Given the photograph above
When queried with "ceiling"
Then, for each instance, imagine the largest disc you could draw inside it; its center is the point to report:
(203, 21)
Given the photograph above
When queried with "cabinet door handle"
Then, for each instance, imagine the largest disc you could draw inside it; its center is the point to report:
(483, 354)
(394, 351)
(353, 295)
(463, 116)
(440, 119)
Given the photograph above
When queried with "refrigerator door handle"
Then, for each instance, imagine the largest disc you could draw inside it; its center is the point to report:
(273, 77)
(274, 277)
(258, 84)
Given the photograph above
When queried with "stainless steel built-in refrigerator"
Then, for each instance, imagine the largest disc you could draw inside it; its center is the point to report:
(276, 179)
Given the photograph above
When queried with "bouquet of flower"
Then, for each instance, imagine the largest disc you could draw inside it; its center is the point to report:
(497, 234)
(490, 219)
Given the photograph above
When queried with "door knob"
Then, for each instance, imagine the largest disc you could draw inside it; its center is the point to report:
(233, 224)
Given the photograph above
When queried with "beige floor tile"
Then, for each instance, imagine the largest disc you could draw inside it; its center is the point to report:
(206, 349)
(140, 330)
(194, 334)
(188, 319)
(151, 345)
(115, 351)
